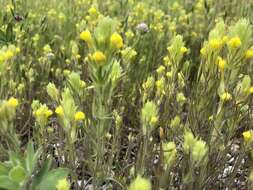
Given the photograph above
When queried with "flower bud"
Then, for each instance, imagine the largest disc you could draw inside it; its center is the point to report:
(116, 41)
(13, 102)
(53, 91)
(98, 57)
(247, 136)
(170, 153)
(86, 36)
(234, 43)
(226, 96)
(199, 151)
(79, 116)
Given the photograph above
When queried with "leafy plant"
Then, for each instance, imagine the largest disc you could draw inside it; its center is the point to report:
(22, 172)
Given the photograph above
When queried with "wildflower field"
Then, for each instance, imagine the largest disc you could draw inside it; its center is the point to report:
(126, 94)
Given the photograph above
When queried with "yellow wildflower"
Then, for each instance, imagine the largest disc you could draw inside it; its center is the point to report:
(78, 56)
(251, 90)
(194, 34)
(108, 136)
(17, 50)
(38, 112)
(8, 54)
(13, 102)
(159, 83)
(48, 113)
(249, 54)
(203, 51)
(93, 11)
(215, 44)
(66, 72)
(225, 39)
(160, 69)
(116, 40)
(183, 50)
(99, 57)
(79, 116)
(153, 120)
(169, 74)
(226, 96)
(221, 64)
(43, 111)
(83, 84)
(63, 184)
(86, 36)
(59, 111)
(167, 61)
(36, 37)
(247, 136)
(47, 49)
(234, 42)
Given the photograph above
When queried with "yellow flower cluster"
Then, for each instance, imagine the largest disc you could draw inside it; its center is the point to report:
(149, 116)
(203, 51)
(116, 41)
(183, 50)
(247, 136)
(221, 64)
(226, 96)
(160, 69)
(250, 90)
(234, 43)
(13, 102)
(43, 111)
(215, 44)
(79, 116)
(8, 109)
(93, 11)
(86, 36)
(7, 53)
(128, 54)
(249, 54)
(160, 85)
(47, 49)
(148, 84)
(59, 111)
(98, 57)
(153, 120)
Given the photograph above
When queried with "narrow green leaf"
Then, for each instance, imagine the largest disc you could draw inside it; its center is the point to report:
(31, 157)
(14, 159)
(9, 32)
(42, 172)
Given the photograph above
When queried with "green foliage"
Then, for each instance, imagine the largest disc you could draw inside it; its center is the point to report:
(20, 170)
